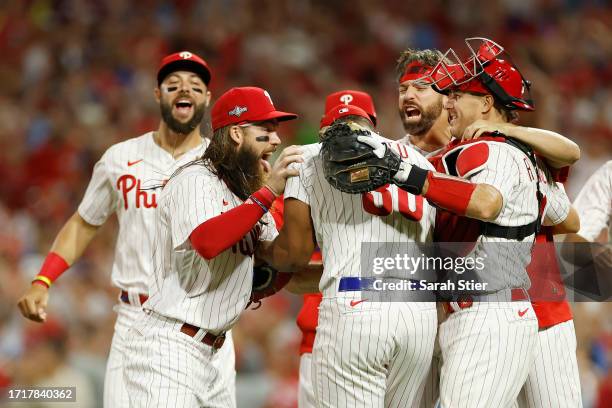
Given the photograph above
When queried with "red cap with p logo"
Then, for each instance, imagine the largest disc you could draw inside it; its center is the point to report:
(245, 104)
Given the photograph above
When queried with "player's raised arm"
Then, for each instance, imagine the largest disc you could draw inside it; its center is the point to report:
(558, 150)
(69, 245)
(481, 201)
(234, 224)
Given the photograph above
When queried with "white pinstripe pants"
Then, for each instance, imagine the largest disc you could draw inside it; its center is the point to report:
(554, 380)
(487, 352)
(431, 393)
(372, 354)
(167, 368)
(306, 398)
(115, 394)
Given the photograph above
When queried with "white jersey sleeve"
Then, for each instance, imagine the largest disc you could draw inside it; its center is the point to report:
(100, 199)
(193, 199)
(557, 203)
(297, 187)
(594, 203)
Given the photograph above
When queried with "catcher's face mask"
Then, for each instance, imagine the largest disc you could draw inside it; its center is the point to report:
(485, 71)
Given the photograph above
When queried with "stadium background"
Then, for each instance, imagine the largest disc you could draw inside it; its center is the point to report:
(77, 77)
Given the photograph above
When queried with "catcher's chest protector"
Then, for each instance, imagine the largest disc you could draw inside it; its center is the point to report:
(474, 158)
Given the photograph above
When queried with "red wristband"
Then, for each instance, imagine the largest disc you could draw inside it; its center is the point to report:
(265, 196)
(449, 192)
(53, 267)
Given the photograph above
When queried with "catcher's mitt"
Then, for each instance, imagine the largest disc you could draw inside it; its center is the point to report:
(352, 166)
(266, 282)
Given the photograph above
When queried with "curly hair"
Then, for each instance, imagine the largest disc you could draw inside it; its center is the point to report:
(426, 57)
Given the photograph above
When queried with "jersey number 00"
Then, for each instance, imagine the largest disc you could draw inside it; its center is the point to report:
(388, 198)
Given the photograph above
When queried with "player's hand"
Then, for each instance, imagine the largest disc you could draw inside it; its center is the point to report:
(33, 305)
(481, 126)
(379, 148)
(281, 171)
(407, 177)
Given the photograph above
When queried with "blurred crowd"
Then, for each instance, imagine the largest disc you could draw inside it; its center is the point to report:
(78, 76)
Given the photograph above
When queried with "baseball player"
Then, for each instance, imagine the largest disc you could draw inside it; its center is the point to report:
(421, 110)
(431, 137)
(127, 181)
(212, 214)
(308, 315)
(418, 105)
(503, 198)
(510, 95)
(365, 354)
(553, 378)
(360, 99)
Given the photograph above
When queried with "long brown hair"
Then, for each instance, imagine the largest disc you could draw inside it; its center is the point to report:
(238, 169)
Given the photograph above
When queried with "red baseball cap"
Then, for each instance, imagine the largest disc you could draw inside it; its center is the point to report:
(340, 111)
(360, 99)
(183, 61)
(245, 104)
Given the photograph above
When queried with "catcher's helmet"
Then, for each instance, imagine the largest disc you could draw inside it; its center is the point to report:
(484, 72)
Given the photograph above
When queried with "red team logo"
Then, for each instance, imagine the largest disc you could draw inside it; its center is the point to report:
(142, 198)
(389, 198)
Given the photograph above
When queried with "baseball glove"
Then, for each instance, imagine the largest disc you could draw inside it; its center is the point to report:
(352, 166)
(266, 282)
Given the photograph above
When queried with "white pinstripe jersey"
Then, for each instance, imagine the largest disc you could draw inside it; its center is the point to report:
(209, 294)
(127, 181)
(343, 221)
(558, 204)
(406, 140)
(511, 172)
(594, 204)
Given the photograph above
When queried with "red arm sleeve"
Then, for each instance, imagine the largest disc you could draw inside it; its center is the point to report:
(219, 233)
(449, 193)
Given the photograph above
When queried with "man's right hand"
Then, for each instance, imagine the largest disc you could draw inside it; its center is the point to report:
(281, 172)
(33, 305)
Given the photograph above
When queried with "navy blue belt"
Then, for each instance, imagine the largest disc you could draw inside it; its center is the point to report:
(352, 284)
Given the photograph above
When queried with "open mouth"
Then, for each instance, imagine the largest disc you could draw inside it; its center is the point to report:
(183, 107)
(412, 112)
(451, 118)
